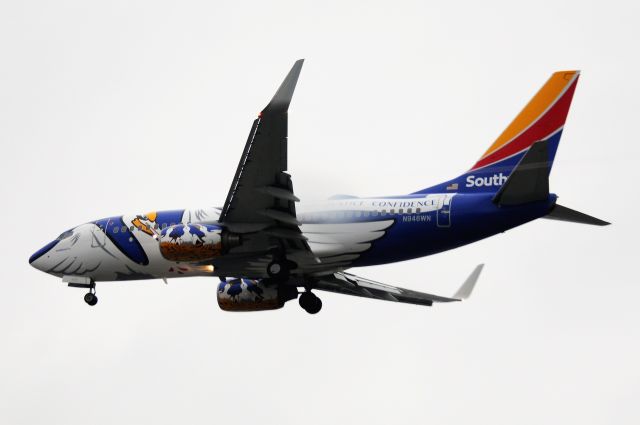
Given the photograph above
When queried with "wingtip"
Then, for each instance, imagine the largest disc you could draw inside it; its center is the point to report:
(467, 287)
(281, 100)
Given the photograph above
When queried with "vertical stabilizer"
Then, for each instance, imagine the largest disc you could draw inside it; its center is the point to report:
(542, 118)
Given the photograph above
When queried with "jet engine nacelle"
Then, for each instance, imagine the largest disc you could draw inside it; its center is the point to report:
(191, 242)
(253, 295)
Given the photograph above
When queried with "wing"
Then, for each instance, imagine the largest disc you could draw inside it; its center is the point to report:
(261, 192)
(261, 204)
(349, 284)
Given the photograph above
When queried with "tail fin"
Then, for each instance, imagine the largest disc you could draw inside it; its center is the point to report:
(542, 118)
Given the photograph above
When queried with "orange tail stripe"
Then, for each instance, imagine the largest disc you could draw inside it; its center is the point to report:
(536, 106)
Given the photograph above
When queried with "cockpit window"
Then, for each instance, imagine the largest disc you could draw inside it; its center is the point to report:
(65, 235)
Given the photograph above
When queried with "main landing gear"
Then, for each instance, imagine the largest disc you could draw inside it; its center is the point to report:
(310, 302)
(279, 269)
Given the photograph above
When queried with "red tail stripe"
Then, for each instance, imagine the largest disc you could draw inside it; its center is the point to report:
(552, 120)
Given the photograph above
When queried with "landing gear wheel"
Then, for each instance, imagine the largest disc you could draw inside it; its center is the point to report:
(90, 298)
(310, 302)
(278, 270)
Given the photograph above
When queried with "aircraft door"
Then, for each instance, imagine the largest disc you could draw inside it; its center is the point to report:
(443, 218)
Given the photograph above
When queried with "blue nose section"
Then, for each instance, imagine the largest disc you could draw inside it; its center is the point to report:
(39, 253)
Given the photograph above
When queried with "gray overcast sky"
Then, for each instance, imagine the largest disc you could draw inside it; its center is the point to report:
(122, 107)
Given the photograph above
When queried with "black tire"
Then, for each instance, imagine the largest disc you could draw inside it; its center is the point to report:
(316, 306)
(91, 299)
(303, 300)
(310, 302)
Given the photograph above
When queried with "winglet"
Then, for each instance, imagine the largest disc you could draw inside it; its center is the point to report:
(529, 181)
(282, 98)
(467, 287)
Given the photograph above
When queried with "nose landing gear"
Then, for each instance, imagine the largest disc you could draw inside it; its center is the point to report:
(83, 282)
(90, 297)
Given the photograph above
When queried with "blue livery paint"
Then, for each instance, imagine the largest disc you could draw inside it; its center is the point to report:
(124, 241)
(169, 218)
(472, 217)
(496, 173)
(235, 288)
(195, 231)
(176, 232)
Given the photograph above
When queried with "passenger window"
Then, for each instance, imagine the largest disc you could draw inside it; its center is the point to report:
(408, 210)
(131, 228)
(358, 214)
(164, 225)
(116, 229)
(417, 210)
(384, 212)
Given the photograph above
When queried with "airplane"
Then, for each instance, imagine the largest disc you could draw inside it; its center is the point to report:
(266, 251)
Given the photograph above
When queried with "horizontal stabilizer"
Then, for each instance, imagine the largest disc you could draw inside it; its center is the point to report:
(567, 214)
(529, 181)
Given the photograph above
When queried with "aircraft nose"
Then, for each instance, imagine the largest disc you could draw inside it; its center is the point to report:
(33, 260)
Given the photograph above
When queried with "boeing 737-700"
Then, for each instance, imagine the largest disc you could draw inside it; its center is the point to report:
(266, 251)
